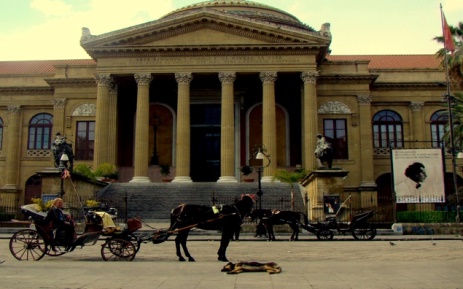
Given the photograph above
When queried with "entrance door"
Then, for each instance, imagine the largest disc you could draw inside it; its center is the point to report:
(205, 142)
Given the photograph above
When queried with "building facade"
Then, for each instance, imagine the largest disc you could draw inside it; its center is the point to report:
(199, 88)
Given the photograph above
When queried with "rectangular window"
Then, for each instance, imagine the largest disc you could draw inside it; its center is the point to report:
(335, 132)
(85, 140)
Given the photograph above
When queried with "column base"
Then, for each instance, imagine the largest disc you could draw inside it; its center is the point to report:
(182, 180)
(140, 180)
(269, 179)
(227, 180)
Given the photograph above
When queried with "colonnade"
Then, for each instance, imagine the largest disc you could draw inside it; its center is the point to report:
(104, 148)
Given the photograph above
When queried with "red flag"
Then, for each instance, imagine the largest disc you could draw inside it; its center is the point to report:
(448, 39)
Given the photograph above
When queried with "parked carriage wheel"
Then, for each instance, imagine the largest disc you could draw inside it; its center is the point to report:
(364, 232)
(325, 234)
(136, 242)
(27, 245)
(118, 250)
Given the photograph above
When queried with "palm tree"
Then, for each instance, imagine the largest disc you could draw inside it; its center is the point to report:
(290, 178)
(455, 60)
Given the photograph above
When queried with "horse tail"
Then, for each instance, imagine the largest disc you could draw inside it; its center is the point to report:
(306, 220)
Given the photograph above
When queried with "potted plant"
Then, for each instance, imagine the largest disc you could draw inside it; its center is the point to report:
(246, 171)
(106, 172)
(165, 172)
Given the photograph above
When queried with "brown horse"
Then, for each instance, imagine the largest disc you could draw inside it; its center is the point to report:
(225, 218)
(269, 218)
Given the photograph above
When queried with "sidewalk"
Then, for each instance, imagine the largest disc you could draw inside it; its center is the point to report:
(409, 264)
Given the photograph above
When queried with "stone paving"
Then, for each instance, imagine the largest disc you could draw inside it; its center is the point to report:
(410, 262)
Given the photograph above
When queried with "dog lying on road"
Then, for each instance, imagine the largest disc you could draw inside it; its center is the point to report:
(270, 267)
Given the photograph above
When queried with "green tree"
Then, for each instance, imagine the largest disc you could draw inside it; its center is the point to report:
(291, 178)
(455, 60)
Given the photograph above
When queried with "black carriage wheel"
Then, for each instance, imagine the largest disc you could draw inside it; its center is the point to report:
(27, 245)
(118, 250)
(136, 241)
(365, 232)
(324, 234)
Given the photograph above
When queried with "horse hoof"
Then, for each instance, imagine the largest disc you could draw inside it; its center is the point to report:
(181, 259)
(222, 258)
(191, 259)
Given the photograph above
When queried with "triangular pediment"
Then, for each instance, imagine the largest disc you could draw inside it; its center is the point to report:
(201, 30)
(206, 36)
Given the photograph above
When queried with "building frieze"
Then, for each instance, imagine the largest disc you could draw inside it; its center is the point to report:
(66, 82)
(27, 90)
(205, 50)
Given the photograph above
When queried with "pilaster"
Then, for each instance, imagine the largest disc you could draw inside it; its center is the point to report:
(366, 145)
(13, 154)
(59, 105)
(417, 131)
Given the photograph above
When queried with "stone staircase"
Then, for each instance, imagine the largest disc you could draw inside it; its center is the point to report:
(156, 200)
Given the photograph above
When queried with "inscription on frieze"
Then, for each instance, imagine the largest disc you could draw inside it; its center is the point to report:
(208, 60)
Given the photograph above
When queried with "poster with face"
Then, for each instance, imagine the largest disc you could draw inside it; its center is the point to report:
(418, 175)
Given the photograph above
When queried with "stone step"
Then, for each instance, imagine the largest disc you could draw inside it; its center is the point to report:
(156, 200)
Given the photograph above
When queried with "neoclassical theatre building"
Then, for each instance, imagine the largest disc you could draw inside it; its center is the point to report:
(199, 88)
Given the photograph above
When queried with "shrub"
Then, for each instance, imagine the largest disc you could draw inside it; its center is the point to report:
(426, 217)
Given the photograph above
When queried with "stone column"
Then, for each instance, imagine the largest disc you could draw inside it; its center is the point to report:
(366, 145)
(13, 145)
(417, 122)
(58, 115)
(112, 125)
(309, 119)
(100, 154)
(183, 128)
(227, 129)
(141, 162)
(269, 122)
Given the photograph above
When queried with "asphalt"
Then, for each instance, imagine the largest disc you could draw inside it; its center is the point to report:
(388, 261)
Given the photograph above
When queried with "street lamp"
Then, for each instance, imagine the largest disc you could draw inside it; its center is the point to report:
(450, 101)
(155, 122)
(260, 153)
(63, 164)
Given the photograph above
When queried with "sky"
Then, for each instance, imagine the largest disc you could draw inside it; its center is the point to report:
(51, 29)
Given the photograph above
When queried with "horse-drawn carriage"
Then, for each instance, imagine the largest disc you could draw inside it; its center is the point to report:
(42, 239)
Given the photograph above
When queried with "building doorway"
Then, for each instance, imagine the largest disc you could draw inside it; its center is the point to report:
(205, 142)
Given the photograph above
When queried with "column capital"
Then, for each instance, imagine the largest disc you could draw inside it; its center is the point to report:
(143, 78)
(268, 77)
(184, 77)
(13, 109)
(310, 77)
(103, 79)
(113, 88)
(59, 102)
(416, 105)
(227, 77)
(364, 99)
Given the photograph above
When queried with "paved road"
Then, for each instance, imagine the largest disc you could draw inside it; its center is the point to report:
(308, 263)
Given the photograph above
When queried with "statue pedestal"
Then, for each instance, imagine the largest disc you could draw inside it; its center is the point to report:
(323, 189)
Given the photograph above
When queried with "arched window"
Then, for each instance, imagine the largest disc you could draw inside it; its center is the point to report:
(1, 133)
(40, 128)
(387, 129)
(439, 120)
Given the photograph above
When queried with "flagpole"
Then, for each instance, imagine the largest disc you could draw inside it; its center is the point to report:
(450, 100)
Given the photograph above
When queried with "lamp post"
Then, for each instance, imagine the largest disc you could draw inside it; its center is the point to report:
(450, 101)
(155, 122)
(63, 164)
(260, 153)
